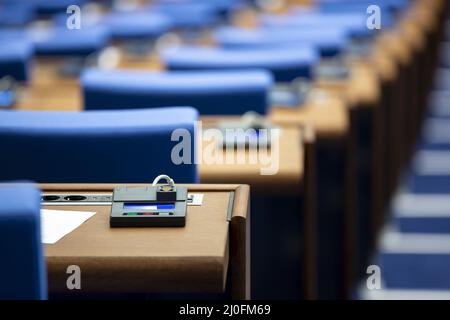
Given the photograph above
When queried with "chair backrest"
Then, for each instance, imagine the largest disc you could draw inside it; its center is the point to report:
(60, 41)
(22, 268)
(131, 25)
(210, 92)
(329, 41)
(98, 146)
(353, 23)
(285, 64)
(360, 5)
(15, 58)
(46, 8)
(15, 14)
(186, 14)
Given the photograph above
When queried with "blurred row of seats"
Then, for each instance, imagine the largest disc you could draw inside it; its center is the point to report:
(413, 251)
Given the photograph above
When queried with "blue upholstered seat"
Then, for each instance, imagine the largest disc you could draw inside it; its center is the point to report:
(422, 213)
(16, 14)
(436, 134)
(430, 173)
(95, 146)
(353, 23)
(359, 5)
(414, 261)
(64, 42)
(442, 79)
(424, 224)
(46, 7)
(60, 41)
(330, 41)
(136, 25)
(438, 104)
(425, 271)
(216, 93)
(429, 184)
(15, 58)
(188, 15)
(22, 268)
(285, 64)
(221, 5)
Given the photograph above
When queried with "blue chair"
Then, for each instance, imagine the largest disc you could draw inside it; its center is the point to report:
(61, 41)
(15, 59)
(353, 23)
(212, 93)
(422, 213)
(132, 25)
(438, 104)
(46, 7)
(330, 41)
(15, 14)
(430, 173)
(360, 5)
(413, 266)
(414, 261)
(431, 170)
(223, 6)
(22, 271)
(285, 64)
(98, 146)
(415, 271)
(186, 15)
(442, 79)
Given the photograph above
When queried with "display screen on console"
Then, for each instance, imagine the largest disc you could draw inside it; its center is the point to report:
(148, 206)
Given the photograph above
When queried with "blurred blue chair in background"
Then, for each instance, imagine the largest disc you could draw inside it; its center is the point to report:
(285, 64)
(329, 41)
(211, 92)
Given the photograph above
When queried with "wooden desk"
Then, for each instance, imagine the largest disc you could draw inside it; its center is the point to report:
(283, 205)
(357, 100)
(287, 181)
(328, 116)
(199, 258)
(336, 174)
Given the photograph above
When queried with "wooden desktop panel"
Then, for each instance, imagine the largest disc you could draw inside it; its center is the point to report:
(193, 259)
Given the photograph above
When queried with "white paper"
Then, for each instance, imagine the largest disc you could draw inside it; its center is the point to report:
(197, 199)
(55, 224)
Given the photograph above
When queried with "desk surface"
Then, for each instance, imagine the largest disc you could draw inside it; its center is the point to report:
(327, 115)
(289, 157)
(190, 259)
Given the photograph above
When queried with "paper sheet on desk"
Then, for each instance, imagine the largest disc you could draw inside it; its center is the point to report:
(55, 224)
